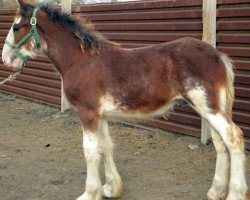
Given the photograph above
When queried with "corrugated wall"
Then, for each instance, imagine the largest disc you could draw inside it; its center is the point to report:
(143, 23)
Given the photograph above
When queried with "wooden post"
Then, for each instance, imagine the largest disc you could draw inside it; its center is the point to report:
(66, 6)
(209, 36)
(209, 21)
(65, 105)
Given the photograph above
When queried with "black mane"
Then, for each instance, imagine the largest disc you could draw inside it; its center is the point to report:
(88, 39)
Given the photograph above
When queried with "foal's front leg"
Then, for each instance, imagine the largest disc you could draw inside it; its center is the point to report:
(92, 152)
(114, 186)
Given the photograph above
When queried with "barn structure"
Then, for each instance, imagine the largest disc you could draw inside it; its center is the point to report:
(135, 24)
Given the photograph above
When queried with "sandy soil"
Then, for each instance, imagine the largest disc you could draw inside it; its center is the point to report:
(41, 157)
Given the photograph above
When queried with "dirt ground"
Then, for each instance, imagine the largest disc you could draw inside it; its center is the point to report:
(41, 157)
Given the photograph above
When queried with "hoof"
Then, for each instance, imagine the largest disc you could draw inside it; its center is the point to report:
(238, 194)
(89, 196)
(213, 194)
(113, 190)
(233, 197)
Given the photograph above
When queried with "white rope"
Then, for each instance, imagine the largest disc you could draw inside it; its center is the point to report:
(11, 78)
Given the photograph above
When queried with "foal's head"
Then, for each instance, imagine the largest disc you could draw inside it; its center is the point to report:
(21, 42)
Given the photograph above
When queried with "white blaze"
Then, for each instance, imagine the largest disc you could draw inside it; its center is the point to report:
(7, 51)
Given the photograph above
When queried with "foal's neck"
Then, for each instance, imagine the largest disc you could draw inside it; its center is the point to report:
(61, 46)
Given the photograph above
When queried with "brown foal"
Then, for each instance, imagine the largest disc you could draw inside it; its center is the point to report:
(103, 80)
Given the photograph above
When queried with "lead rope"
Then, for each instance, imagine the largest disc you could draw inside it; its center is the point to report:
(11, 77)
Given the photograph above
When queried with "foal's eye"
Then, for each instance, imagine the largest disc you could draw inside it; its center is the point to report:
(15, 28)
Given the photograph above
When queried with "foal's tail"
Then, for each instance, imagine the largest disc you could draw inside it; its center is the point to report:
(229, 82)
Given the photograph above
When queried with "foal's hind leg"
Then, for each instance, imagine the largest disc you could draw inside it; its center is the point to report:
(114, 186)
(220, 183)
(231, 135)
(233, 138)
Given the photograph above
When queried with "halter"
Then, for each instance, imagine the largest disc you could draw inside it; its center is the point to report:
(33, 32)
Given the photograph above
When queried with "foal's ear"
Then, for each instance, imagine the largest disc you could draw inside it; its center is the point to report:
(25, 7)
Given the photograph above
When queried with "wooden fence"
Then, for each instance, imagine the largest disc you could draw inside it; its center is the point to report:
(143, 23)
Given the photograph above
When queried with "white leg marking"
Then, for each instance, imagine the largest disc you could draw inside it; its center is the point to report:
(220, 182)
(237, 186)
(113, 187)
(93, 190)
(220, 124)
(231, 133)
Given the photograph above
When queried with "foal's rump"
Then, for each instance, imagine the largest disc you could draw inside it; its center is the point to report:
(201, 73)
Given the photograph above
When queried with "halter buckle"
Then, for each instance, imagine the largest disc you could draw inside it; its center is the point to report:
(15, 48)
(33, 21)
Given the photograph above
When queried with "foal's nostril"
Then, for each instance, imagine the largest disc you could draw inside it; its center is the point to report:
(6, 62)
(13, 57)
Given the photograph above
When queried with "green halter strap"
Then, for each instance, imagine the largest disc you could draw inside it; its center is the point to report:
(33, 32)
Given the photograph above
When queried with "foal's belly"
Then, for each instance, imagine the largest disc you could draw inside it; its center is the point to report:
(137, 114)
(111, 109)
